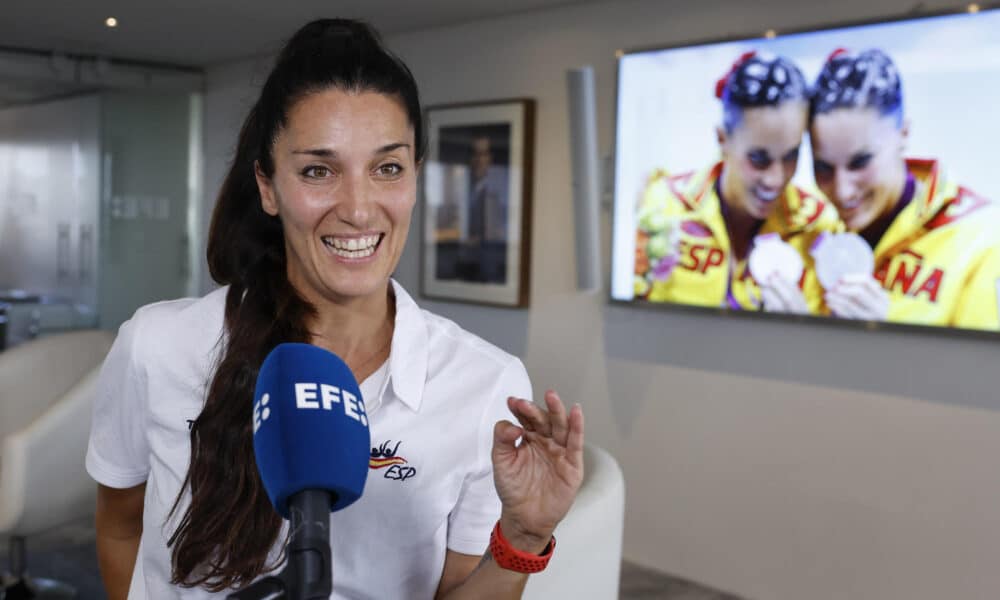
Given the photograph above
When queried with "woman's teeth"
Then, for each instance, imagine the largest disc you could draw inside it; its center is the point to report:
(355, 247)
(765, 196)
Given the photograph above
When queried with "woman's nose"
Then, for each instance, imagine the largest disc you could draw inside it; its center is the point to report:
(355, 202)
(845, 186)
(774, 176)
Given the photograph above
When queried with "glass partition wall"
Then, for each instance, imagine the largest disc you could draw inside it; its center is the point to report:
(98, 206)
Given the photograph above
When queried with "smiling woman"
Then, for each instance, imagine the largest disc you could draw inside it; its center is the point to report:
(344, 187)
(696, 230)
(309, 225)
(937, 258)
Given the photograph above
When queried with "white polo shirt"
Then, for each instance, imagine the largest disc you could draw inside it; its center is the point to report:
(432, 406)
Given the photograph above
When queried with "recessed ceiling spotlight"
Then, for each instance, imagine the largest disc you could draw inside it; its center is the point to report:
(973, 8)
(770, 34)
(619, 53)
(111, 22)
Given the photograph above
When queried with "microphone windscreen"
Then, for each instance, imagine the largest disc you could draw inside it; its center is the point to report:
(310, 426)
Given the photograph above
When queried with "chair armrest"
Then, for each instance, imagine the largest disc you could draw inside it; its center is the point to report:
(35, 374)
(43, 481)
(587, 559)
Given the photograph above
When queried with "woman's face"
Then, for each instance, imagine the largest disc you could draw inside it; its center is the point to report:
(760, 156)
(858, 162)
(344, 186)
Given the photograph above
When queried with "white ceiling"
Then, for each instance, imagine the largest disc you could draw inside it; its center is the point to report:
(199, 33)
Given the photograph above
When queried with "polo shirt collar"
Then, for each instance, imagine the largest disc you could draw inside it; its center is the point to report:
(408, 355)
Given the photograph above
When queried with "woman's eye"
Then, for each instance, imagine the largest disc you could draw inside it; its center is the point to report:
(759, 159)
(316, 172)
(389, 170)
(760, 162)
(859, 162)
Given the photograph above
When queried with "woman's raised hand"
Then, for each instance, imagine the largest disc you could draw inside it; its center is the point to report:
(537, 479)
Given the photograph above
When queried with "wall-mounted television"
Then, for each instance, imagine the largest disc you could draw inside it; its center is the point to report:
(846, 173)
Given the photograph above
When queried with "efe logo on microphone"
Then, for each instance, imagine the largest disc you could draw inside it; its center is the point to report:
(306, 397)
(310, 396)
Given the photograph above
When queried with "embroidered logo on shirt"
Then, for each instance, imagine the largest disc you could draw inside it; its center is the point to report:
(385, 457)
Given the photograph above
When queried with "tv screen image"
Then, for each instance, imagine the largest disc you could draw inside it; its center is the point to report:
(849, 173)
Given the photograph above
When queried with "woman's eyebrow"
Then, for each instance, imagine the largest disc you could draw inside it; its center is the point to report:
(322, 152)
(328, 153)
(390, 147)
(860, 157)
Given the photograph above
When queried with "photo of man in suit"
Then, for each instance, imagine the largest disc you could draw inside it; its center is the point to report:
(472, 221)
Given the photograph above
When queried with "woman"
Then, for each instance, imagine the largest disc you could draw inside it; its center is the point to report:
(937, 260)
(697, 230)
(309, 225)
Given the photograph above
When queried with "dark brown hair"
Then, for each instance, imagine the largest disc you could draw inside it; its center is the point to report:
(229, 527)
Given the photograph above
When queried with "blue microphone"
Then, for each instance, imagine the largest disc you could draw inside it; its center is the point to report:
(312, 445)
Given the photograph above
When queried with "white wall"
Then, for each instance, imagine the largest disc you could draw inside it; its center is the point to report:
(774, 459)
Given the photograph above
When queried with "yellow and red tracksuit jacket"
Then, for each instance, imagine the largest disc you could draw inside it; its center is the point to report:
(708, 274)
(940, 257)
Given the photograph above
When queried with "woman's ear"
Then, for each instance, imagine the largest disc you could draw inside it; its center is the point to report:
(267, 200)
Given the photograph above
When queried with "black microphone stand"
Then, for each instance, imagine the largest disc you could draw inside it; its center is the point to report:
(308, 574)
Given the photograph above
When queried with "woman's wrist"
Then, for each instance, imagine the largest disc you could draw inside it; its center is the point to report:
(523, 539)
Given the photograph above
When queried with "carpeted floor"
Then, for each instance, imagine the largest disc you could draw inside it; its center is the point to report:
(68, 555)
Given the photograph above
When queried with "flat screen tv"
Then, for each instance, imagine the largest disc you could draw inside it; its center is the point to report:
(844, 173)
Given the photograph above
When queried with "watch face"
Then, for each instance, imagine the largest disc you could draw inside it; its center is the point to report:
(772, 256)
(840, 254)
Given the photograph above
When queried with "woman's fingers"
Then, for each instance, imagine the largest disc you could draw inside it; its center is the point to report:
(557, 417)
(842, 306)
(794, 298)
(565, 429)
(530, 416)
(859, 298)
(771, 300)
(506, 433)
(574, 439)
(553, 421)
(512, 404)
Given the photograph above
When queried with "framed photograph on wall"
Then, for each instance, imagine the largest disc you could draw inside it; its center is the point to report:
(476, 233)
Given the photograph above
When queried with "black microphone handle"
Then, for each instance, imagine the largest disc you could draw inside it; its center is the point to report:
(309, 572)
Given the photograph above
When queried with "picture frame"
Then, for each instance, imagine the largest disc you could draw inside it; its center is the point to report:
(476, 202)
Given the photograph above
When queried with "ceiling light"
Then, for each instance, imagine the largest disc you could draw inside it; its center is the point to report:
(973, 8)
(770, 34)
(111, 22)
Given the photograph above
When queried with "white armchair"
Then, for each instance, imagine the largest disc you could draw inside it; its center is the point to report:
(587, 560)
(46, 389)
